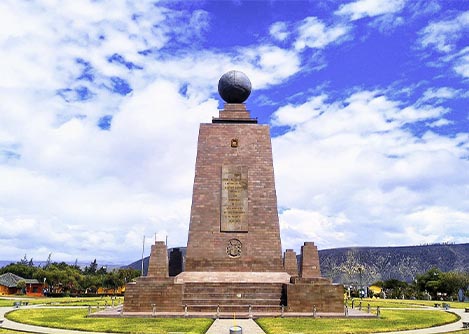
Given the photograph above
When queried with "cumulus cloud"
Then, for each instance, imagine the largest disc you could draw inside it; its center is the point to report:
(370, 8)
(99, 120)
(312, 33)
(101, 103)
(357, 157)
(279, 31)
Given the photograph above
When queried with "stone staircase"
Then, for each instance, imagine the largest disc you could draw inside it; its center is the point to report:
(232, 297)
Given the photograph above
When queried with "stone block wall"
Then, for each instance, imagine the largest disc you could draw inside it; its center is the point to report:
(158, 263)
(164, 294)
(309, 265)
(290, 264)
(302, 297)
(260, 247)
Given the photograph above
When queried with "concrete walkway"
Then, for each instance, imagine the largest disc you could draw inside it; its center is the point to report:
(222, 326)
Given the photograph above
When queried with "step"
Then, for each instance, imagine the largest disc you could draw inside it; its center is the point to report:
(255, 302)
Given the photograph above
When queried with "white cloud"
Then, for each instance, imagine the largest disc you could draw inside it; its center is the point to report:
(442, 35)
(303, 225)
(440, 122)
(356, 157)
(312, 33)
(369, 8)
(90, 193)
(442, 93)
(279, 31)
(84, 191)
(461, 64)
(388, 23)
(445, 36)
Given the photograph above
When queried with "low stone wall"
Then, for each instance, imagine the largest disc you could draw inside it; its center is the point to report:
(147, 293)
(304, 296)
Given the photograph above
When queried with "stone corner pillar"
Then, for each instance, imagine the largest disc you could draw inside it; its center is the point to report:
(309, 265)
(158, 264)
(290, 263)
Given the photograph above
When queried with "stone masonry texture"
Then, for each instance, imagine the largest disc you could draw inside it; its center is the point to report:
(158, 264)
(234, 256)
(260, 245)
(290, 263)
(309, 265)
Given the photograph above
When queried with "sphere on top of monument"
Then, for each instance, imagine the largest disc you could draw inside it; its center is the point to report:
(234, 87)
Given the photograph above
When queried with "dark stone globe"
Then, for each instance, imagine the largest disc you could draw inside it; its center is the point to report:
(234, 87)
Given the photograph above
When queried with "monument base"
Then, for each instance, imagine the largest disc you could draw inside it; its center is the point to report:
(314, 295)
(240, 292)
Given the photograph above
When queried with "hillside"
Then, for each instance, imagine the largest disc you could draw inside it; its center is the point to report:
(382, 263)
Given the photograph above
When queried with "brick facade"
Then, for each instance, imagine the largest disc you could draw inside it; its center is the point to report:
(158, 263)
(290, 263)
(305, 294)
(309, 265)
(207, 245)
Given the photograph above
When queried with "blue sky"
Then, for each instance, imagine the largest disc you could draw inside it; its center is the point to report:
(101, 103)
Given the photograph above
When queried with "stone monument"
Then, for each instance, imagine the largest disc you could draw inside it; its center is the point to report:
(234, 259)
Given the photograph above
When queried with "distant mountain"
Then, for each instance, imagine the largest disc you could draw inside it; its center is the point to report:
(370, 264)
(383, 263)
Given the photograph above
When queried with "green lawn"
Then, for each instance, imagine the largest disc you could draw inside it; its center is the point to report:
(391, 320)
(399, 303)
(68, 301)
(76, 319)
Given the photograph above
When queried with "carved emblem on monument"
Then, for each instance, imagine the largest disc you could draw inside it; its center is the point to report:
(234, 248)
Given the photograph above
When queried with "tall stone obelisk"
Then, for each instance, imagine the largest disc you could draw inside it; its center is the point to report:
(234, 221)
(234, 257)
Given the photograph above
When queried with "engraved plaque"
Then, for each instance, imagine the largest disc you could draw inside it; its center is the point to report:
(234, 199)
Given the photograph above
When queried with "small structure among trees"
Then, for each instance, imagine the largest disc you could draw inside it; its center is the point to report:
(57, 279)
(11, 284)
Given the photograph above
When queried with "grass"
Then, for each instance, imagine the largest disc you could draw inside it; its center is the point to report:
(65, 301)
(400, 303)
(76, 319)
(391, 320)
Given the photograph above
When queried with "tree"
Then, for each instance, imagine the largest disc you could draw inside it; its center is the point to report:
(22, 286)
(20, 269)
(48, 260)
(430, 281)
(91, 270)
(452, 281)
(395, 288)
(24, 260)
